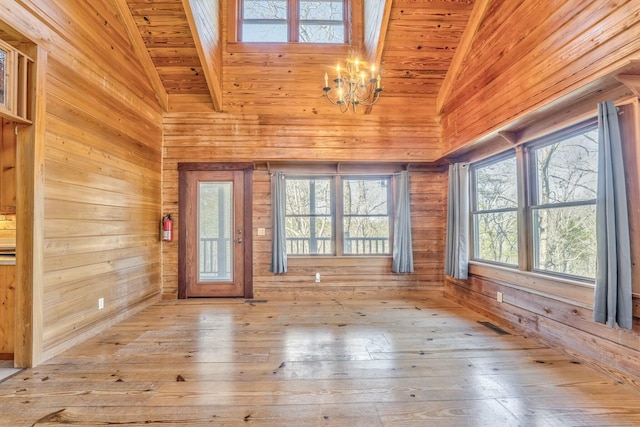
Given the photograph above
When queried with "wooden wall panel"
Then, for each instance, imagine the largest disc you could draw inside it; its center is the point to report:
(551, 50)
(558, 311)
(102, 170)
(227, 137)
(565, 324)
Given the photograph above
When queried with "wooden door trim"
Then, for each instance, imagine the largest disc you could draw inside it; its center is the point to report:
(247, 168)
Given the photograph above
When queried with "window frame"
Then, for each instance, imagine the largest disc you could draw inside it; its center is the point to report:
(473, 211)
(337, 213)
(18, 76)
(293, 21)
(532, 192)
(527, 202)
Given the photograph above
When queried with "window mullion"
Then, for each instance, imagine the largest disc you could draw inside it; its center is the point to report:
(524, 213)
(338, 215)
(294, 20)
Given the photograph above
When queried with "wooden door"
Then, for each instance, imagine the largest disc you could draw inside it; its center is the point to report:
(212, 234)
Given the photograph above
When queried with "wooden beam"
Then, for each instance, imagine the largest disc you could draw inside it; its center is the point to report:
(374, 49)
(29, 327)
(204, 21)
(477, 14)
(632, 81)
(143, 54)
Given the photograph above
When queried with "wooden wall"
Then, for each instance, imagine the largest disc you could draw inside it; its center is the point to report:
(102, 157)
(190, 137)
(552, 52)
(528, 53)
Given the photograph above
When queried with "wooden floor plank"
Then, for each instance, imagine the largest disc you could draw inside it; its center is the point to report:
(405, 360)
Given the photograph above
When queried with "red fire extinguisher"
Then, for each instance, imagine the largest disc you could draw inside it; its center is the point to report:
(167, 228)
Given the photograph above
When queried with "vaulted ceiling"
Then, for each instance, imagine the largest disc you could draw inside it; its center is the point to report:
(419, 44)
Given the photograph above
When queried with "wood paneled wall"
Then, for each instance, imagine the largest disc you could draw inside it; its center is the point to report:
(528, 53)
(191, 137)
(102, 173)
(553, 50)
(561, 311)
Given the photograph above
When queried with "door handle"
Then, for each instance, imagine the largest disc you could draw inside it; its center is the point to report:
(239, 240)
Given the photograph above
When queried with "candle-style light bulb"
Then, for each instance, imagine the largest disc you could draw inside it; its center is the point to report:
(362, 78)
(378, 82)
(373, 71)
(338, 69)
(326, 80)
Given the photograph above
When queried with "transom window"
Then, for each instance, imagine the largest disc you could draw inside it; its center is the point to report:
(304, 21)
(356, 208)
(559, 175)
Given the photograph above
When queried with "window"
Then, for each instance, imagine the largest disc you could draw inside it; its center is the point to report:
(563, 203)
(4, 59)
(320, 208)
(15, 75)
(282, 21)
(366, 215)
(494, 211)
(558, 232)
(309, 217)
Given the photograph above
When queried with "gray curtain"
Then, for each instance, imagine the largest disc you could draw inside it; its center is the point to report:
(456, 262)
(279, 247)
(613, 290)
(402, 247)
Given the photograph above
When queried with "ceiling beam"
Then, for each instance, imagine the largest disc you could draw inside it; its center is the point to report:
(204, 20)
(143, 54)
(477, 14)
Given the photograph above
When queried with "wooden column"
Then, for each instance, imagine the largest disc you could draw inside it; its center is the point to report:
(30, 217)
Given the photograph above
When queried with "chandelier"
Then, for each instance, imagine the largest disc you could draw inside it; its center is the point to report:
(355, 84)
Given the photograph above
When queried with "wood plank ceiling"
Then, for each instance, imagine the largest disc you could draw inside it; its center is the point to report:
(417, 51)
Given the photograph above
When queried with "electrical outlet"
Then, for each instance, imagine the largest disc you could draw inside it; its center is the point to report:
(317, 277)
(261, 231)
(499, 297)
(100, 303)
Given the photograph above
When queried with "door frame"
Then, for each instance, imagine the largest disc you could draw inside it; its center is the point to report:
(247, 168)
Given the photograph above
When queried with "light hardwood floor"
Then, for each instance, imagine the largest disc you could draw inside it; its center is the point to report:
(412, 360)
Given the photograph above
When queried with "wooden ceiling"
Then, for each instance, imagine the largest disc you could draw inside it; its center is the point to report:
(182, 45)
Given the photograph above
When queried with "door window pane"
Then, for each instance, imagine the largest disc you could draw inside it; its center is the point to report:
(215, 213)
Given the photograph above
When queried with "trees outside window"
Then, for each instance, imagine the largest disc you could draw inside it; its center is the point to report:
(309, 217)
(304, 21)
(563, 203)
(494, 211)
(320, 208)
(559, 175)
(366, 215)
